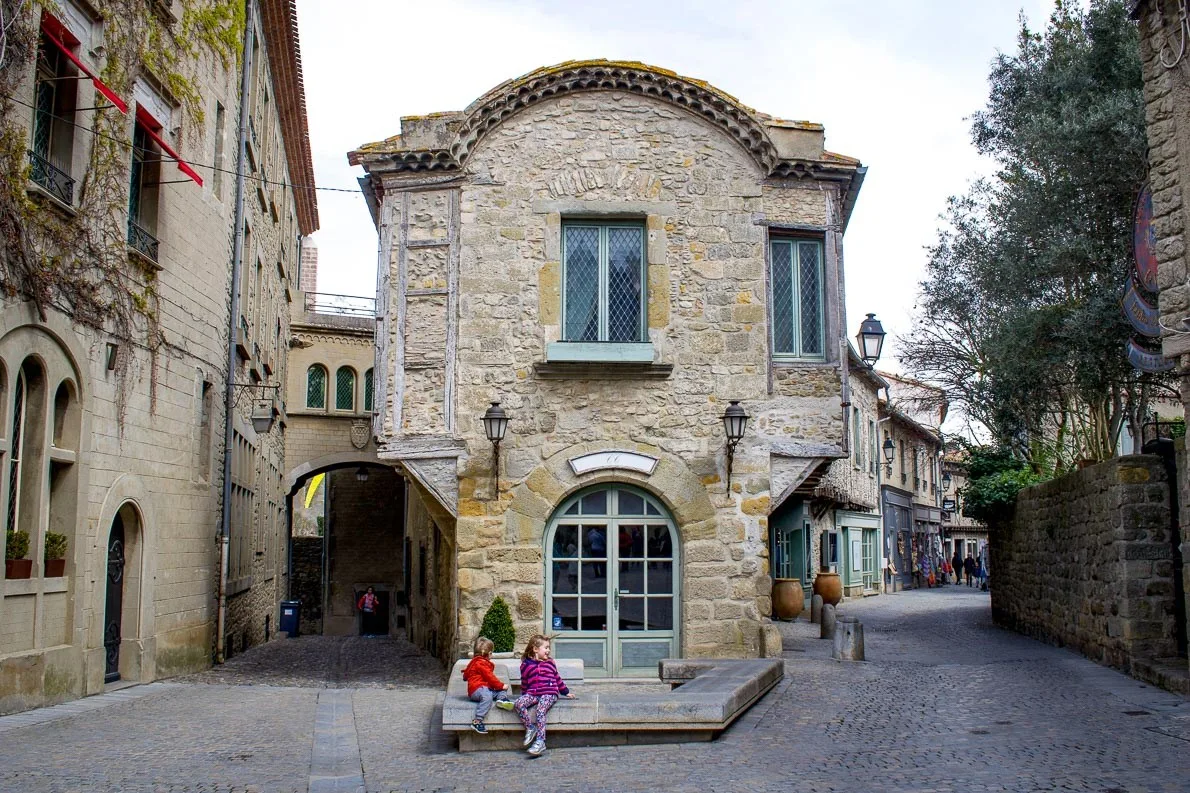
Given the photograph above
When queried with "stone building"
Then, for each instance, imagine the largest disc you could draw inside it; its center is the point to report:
(614, 253)
(910, 499)
(959, 532)
(1165, 39)
(111, 435)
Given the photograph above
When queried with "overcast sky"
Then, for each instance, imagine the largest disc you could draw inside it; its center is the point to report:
(893, 82)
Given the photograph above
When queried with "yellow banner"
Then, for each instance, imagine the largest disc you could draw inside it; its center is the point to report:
(312, 487)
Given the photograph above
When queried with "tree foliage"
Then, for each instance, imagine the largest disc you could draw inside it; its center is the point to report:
(995, 476)
(497, 626)
(1020, 320)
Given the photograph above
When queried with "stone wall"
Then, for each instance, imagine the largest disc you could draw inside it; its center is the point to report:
(431, 576)
(1085, 563)
(307, 581)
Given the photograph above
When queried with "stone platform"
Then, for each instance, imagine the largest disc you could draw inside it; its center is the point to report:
(707, 696)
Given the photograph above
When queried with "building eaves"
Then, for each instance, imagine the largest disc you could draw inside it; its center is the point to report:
(279, 18)
(912, 424)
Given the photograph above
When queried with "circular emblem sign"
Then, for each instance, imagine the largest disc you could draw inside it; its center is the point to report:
(1144, 241)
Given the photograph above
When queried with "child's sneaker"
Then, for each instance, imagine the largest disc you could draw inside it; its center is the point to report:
(504, 704)
(537, 748)
(479, 727)
(530, 734)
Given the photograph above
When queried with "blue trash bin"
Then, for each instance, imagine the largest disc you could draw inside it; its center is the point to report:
(291, 617)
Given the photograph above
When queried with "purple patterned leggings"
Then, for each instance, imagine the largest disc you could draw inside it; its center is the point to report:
(543, 703)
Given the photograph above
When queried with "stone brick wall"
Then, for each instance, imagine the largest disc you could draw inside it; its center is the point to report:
(307, 581)
(1085, 563)
(432, 625)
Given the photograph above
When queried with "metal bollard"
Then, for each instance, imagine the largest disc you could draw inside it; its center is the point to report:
(849, 640)
(816, 608)
(828, 622)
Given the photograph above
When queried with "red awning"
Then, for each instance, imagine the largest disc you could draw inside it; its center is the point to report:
(148, 124)
(47, 25)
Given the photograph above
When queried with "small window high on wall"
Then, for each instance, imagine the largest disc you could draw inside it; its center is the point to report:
(798, 316)
(143, 192)
(316, 388)
(345, 388)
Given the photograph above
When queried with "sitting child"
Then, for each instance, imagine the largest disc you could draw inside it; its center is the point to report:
(483, 687)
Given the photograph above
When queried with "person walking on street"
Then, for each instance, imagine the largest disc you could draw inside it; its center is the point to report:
(970, 568)
(957, 565)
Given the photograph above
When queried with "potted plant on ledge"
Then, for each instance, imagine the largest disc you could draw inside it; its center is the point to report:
(55, 554)
(16, 547)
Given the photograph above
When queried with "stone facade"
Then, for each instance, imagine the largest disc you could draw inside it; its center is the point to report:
(138, 436)
(910, 501)
(471, 207)
(1167, 120)
(1086, 562)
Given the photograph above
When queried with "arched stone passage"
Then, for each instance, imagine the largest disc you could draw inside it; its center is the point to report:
(328, 462)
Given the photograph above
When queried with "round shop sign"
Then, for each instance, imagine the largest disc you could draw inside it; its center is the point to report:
(1144, 240)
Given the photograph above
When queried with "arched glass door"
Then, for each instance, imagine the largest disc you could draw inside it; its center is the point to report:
(612, 582)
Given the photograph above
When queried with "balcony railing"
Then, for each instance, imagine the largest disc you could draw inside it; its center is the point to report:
(343, 305)
(51, 178)
(141, 241)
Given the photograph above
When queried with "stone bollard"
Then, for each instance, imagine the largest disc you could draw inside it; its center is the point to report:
(828, 622)
(816, 608)
(849, 640)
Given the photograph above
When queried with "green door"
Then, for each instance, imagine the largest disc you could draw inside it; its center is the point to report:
(612, 582)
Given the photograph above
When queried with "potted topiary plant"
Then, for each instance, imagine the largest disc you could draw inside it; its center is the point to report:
(497, 626)
(16, 547)
(55, 554)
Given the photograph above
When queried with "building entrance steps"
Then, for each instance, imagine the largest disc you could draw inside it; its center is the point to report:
(707, 695)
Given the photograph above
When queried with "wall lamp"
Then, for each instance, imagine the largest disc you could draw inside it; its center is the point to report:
(946, 481)
(735, 421)
(361, 474)
(890, 451)
(871, 340)
(495, 425)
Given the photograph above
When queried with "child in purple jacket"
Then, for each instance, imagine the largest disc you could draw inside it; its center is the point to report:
(541, 685)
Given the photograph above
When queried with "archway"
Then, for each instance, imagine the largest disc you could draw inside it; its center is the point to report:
(613, 580)
(121, 614)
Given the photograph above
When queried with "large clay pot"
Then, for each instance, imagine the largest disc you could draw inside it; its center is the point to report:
(18, 568)
(830, 586)
(788, 598)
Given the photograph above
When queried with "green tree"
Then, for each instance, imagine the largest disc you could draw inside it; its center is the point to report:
(994, 477)
(497, 626)
(1020, 318)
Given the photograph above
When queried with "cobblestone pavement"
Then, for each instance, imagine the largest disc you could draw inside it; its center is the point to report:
(945, 702)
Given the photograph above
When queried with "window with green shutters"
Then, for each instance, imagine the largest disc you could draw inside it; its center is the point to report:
(797, 311)
(345, 388)
(603, 271)
(368, 385)
(316, 388)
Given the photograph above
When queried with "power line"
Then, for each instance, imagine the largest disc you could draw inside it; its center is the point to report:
(164, 156)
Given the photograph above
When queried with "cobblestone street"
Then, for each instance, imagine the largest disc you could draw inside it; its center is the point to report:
(945, 702)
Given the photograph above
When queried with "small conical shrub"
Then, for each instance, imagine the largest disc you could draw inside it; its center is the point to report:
(497, 626)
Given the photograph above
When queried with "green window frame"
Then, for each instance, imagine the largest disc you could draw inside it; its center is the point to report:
(798, 297)
(604, 285)
(369, 384)
(316, 387)
(345, 388)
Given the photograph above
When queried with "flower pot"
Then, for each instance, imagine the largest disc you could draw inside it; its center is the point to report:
(788, 598)
(18, 568)
(829, 586)
(55, 568)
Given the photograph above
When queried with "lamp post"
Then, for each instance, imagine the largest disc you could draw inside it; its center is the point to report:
(871, 340)
(495, 424)
(735, 421)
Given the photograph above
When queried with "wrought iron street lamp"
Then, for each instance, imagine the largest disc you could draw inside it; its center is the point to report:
(946, 481)
(890, 451)
(361, 474)
(495, 425)
(735, 422)
(871, 339)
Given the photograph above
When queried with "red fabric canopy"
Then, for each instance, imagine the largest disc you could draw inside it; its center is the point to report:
(47, 25)
(149, 125)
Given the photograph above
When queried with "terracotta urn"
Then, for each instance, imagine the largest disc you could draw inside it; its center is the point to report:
(830, 586)
(788, 598)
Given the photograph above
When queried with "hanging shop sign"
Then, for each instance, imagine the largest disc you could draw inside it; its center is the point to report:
(1147, 360)
(1144, 240)
(1142, 316)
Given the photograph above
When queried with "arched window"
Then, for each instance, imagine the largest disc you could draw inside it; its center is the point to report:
(612, 581)
(316, 387)
(14, 457)
(345, 388)
(368, 386)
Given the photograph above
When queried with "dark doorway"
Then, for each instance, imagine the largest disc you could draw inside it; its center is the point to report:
(114, 607)
(375, 623)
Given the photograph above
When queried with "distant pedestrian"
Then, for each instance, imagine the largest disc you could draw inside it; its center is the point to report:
(483, 687)
(956, 565)
(541, 685)
(368, 605)
(970, 568)
(982, 574)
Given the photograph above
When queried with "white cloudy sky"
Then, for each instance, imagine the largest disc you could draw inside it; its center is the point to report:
(893, 82)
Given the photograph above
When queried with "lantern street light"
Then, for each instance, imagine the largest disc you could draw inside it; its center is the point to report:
(495, 424)
(361, 474)
(889, 450)
(871, 339)
(946, 481)
(735, 421)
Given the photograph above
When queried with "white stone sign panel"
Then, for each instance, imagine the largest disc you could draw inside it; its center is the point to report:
(599, 461)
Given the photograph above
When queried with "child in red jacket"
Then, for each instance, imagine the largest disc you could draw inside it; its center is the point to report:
(483, 687)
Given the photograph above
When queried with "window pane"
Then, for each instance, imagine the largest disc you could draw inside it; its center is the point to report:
(572, 509)
(782, 265)
(594, 614)
(632, 578)
(660, 578)
(594, 578)
(582, 284)
(661, 614)
(624, 288)
(810, 290)
(368, 385)
(630, 504)
(316, 387)
(566, 542)
(660, 543)
(595, 503)
(650, 509)
(632, 613)
(565, 578)
(594, 542)
(344, 389)
(565, 613)
(632, 542)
